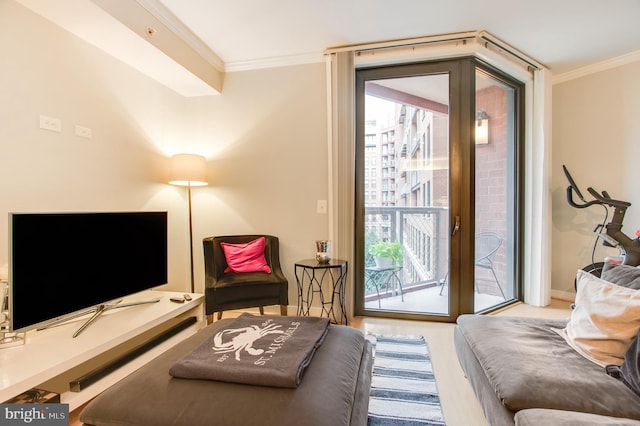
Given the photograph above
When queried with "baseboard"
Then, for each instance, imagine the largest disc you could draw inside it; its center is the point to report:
(292, 310)
(563, 295)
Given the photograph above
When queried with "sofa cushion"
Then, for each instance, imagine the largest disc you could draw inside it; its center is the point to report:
(605, 320)
(629, 372)
(539, 416)
(624, 275)
(531, 366)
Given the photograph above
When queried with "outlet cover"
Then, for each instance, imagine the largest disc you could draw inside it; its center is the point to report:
(83, 132)
(322, 206)
(50, 123)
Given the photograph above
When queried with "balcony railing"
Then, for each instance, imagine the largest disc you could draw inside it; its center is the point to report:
(423, 233)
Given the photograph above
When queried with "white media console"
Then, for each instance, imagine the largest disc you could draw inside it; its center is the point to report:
(112, 347)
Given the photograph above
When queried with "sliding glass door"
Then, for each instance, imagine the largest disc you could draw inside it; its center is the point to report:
(496, 190)
(418, 240)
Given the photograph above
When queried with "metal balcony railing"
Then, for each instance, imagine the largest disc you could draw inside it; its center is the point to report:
(423, 233)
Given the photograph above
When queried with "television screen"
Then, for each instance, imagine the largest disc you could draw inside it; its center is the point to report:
(62, 263)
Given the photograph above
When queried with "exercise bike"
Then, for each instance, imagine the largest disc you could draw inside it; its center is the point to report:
(612, 236)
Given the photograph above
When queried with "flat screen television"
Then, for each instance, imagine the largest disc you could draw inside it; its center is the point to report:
(64, 263)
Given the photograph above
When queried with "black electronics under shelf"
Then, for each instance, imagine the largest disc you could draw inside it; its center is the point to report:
(93, 376)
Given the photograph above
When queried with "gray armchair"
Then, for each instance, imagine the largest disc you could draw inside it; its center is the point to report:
(230, 290)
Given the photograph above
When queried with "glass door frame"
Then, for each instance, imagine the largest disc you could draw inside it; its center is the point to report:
(517, 173)
(462, 107)
(454, 70)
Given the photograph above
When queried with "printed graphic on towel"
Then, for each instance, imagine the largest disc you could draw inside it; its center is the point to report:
(238, 340)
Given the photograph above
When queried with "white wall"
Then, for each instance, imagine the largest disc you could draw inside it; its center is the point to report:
(47, 71)
(596, 134)
(265, 141)
(264, 138)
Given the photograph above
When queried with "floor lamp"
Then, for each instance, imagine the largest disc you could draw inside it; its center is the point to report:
(189, 170)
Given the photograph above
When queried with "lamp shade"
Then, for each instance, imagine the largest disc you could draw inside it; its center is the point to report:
(188, 170)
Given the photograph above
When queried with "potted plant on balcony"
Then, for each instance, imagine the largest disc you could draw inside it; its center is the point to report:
(386, 254)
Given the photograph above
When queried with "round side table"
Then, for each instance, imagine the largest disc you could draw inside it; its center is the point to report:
(310, 277)
(387, 278)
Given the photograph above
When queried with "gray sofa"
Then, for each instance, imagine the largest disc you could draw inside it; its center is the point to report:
(525, 373)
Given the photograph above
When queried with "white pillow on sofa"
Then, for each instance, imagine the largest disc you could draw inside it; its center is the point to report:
(605, 320)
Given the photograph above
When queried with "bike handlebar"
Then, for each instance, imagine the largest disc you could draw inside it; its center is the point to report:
(570, 190)
(572, 184)
(605, 199)
(630, 247)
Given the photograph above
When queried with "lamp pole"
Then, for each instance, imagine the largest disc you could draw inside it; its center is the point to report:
(193, 288)
(189, 170)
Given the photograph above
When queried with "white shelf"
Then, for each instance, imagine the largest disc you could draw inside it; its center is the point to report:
(52, 352)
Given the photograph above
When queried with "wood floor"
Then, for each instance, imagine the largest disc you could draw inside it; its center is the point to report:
(459, 404)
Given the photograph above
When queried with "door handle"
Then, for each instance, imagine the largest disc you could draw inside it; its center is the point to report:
(456, 226)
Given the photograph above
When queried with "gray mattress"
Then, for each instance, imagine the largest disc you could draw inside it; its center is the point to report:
(334, 391)
(518, 363)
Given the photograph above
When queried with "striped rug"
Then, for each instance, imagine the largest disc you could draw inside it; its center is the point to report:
(403, 387)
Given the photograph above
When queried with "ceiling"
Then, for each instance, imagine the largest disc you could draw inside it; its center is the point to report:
(563, 35)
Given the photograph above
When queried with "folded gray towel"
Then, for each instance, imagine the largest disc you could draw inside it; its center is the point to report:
(258, 350)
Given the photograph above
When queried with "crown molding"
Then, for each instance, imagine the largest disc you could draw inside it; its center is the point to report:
(597, 67)
(279, 61)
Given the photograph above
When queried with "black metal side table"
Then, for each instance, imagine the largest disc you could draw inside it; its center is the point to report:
(310, 277)
(384, 277)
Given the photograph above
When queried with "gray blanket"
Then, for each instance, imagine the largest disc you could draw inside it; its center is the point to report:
(257, 350)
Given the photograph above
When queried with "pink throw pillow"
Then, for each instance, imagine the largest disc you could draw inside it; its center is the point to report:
(246, 257)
